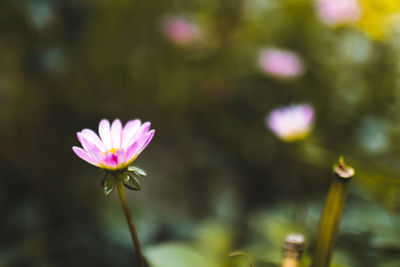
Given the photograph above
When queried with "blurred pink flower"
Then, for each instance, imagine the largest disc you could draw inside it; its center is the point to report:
(117, 147)
(180, 31)
(336, 12)
(280, 63)
(291, 123)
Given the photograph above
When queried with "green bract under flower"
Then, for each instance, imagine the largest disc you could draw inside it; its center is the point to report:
(128, 177)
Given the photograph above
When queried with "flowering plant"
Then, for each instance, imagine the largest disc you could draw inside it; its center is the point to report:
(291, 123)
(338, 12)
(280, 63)
(114, 150)
(181, 31)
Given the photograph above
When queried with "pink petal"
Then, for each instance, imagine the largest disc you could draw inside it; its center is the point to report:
(149, 137)
(86, 144)
(84, 155)
(93, 138)
(121, 155)
(96, 154)
(139, 133)
(105, 133)
(140, 140)
(116, 133)
(83, 141)
(131, 152)
(129, 131)
(140, 145)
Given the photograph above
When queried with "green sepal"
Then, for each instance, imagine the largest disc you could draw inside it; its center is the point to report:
(137, 171)
(108, 184)
(131, 182)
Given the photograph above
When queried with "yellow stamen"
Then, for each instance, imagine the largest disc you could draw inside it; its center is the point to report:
(114, 151)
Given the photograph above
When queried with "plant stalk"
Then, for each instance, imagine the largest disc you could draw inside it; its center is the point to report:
(332, 214)
(129, 220)
(290, 262)
(293, 248)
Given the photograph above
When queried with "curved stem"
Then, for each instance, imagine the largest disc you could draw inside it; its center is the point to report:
(132, 229)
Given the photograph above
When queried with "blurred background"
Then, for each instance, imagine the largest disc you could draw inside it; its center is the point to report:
(207, 74)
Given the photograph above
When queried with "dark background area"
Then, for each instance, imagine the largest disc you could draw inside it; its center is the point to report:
(218, 178)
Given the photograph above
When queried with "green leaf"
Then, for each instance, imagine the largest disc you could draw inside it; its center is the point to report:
(108, 184)
(137, 171)
(242, 253)
(131, 182)
(176, 255)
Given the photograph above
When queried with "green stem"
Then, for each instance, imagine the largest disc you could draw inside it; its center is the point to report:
(132, 229)
(332, 215)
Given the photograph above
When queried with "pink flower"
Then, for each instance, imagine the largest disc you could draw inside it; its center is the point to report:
(291, 123)
(336, 12)
(280, 63)
(117, 147)
(180, 31)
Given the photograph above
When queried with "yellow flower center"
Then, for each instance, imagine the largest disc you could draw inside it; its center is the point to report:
(114, 151)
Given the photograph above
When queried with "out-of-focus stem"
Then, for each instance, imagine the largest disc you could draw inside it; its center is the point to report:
(292, 250)
(332, 214)
(132, 229)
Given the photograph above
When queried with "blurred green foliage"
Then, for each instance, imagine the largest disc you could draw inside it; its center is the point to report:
(218, 179)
